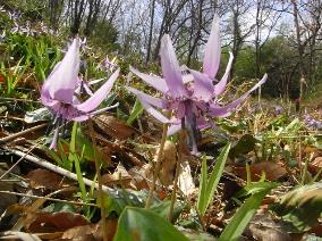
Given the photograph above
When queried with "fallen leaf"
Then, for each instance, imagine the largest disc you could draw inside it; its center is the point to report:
(44, 179)
(55, 222)
(185, 181)
(168, 163)
(273, 171)
(264, 228)
(316, 165)
(120, 176)
(114, 127)
(80, 233)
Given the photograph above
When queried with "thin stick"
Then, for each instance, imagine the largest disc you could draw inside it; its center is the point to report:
(45, 164)
(47, 198)
(22, 133)
(17, 162)
(158, 165)
(100, 185)
(178, 170)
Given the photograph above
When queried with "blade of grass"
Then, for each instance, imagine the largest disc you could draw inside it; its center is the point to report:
(211, 185)
(244, 214)
(135, 113)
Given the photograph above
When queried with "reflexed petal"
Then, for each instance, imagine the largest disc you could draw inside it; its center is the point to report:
(152, 111)
(63, 80)
(87, 89)
(174, 128)
(171, 69)
(156, 82)
(212, 50)
(87, 116)
(225, 111)
(148, 98)
(147, 101)
(215, 111)
(220, 87)
(96, 99)
(203, 88)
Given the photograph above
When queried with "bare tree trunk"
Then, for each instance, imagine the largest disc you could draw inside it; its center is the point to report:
(150, 32)
(198, 33)
(78, 14)
(300, 48)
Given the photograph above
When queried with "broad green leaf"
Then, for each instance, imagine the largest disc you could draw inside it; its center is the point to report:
(163, 209)
(140, 224)
(242, 217)
(302, 206)
(117, 201)
(208, 187)
(244, 145)
(136, 112)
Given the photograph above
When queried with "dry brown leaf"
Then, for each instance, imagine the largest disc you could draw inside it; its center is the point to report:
(91, 231)
(312, 152)
(140, 175)
(185, 181)
(114, 127)
(80, 233)
(44, 179)
(263, 228)
(316, 165)
(120, 176)
(55, 222)
(272, 170)
(168, 164)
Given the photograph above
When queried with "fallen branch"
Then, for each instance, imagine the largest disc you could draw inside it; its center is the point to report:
(59, 170)
(22, 133)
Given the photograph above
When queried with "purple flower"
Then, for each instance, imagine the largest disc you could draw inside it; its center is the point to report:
(59, 91)
(311, 122)
(191, 98)
(278, 110)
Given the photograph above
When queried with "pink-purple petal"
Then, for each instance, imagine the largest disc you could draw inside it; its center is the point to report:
(220, 87)
(96, 99)
(212, 50)
(203, 87)
(171, 69)
(86, 116)
(61, 84)
(152, 111)
(174, 128)
(225, 111)
(148, 98)
(154, 81)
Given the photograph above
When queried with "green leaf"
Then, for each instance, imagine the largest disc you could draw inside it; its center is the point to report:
(209, 187)
(140, 224)
(302, 206)
(255, 187)
(242, 217)
(163, 209)
(136, 112)
(244, 145)
(117, 201)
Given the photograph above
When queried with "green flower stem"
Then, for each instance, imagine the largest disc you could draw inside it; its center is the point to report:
(99, 179)
(158, 165)
(178, 169)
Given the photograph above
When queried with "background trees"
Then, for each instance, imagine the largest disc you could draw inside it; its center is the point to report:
(282, 38)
